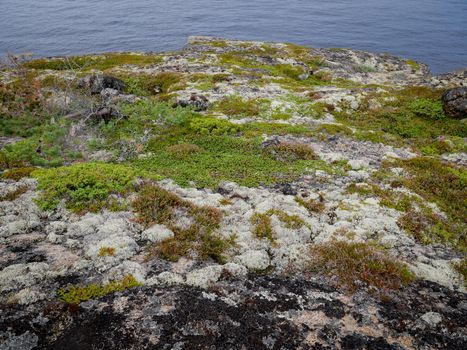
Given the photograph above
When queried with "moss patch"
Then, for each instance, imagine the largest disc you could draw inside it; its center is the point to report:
(354, 264)
(79, 293)
(99, 62)
(83, 187)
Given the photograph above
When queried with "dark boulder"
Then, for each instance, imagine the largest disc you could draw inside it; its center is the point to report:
(455, 102)
(105, 114)
(198, 102)
(97, 83)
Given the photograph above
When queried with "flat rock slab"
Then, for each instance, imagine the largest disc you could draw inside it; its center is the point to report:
(260, 312)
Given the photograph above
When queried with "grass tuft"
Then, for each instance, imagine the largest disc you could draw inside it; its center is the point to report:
(356, 265)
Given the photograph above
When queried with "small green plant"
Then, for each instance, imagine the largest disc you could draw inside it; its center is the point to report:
(353, 264)
(83, 187)
(225, 158)
(183, 150)
(213, 126)
(44, 148)
(236, 106)
(415, 65)
(160, 84)
(79, 293)
(262, 227)
(427, 108)
(290, 221)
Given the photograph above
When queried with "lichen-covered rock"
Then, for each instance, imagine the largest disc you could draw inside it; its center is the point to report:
(455, 102)
(97, 83)
(157, 233)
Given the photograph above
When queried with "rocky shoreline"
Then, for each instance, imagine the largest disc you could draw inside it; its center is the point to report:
(233, 194)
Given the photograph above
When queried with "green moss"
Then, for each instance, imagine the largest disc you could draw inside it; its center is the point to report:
(388, 197)
(428, 227)
(226, 158)
(354, 264)
(17, 173)
(235, 106)
(46, 147)
(290, 221)
(213, 126)
(206, 82)
(100, 62)
(461, 268)
(436, 182)
(411, 116)
(159, 85)
(24, 125)
(79, 293)
(83, 187)
(183, 150)
(334, 129)
(427, 108)
(156, 205)
(415, 65)
(262, 227)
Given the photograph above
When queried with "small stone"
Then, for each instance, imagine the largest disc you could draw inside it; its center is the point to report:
(432, 318)
(204, 277)
(170, 278)
(254, 259)
(157, 233)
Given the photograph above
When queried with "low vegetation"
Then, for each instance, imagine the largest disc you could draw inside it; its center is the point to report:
(156, 205)
(79, 293)
(17, 173)
(84, 187)
(11, 196)
(312, 205)
(357, 265)
(98, 62)
(411, 116)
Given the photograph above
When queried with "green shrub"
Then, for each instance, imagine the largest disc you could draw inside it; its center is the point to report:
(238, 107)
(213, 126)
(146, 112)
(156, 84)
(183, 150)
(44, 148)
(84, 187)
(427, 108)
(225, 158)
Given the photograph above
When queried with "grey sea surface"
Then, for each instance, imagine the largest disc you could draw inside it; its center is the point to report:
(431, 31)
